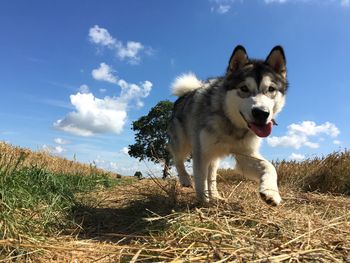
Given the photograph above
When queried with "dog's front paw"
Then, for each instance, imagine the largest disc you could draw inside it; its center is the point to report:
(271, 197)
(202, 202)
(214, 196)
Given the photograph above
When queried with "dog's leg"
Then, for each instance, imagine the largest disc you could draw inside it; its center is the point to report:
(213, 191)
(200, 174)
(261, 170)
(205, 164)
(180, 149)
(184, 177)
(179, 157)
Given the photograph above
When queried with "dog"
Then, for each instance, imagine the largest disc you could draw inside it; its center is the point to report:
(228, 115)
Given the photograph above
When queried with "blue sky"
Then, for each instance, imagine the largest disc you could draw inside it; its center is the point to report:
(75, 74)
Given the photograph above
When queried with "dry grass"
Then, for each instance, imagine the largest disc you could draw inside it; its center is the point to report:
(9, 156)
(158, 221)
(330, 174)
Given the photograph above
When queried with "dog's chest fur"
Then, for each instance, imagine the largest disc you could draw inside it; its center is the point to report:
(216, 130)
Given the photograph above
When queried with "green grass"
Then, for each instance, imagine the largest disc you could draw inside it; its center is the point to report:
(35, 202)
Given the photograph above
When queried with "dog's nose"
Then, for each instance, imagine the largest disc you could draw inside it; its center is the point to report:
(260, 116)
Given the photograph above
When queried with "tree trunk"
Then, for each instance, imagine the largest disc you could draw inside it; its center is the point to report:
(166, 169)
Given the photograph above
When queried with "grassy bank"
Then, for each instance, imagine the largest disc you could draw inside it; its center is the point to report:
(36, 198)
(327, 174)
(9, 155)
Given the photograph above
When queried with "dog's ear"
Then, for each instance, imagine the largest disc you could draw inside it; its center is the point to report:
(277, 60)
(238, 59)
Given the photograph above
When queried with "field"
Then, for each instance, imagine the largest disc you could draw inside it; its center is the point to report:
(89, 216)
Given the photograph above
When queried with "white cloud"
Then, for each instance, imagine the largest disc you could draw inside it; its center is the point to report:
(93, 115)
(298, 135)
(104, 73)
(84, 88)
(124, 170)
(221, 6)
(223, 9)
(60, 141)
(345, 2)
(296, 157)
(102, 90)
(309, 128)
(101, 36)
(128, 167)
(135, 92)
(131, 51)
(59, 149)
(53, 149)
(291, 140)
(125, 150)
(341, 2)
(275, 1)
(337, 142)
(129, 91)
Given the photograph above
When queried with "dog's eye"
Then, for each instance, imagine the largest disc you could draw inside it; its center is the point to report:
(272, 89)
(244, 89)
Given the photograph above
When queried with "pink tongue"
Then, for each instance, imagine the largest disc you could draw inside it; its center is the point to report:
(261, 130)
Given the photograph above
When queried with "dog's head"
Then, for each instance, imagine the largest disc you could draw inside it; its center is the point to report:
(255, 90)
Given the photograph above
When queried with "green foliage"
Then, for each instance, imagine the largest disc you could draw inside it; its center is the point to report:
(138, 174)
(151, 135)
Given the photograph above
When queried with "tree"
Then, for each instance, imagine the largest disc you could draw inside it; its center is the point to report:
(151, 136)
(138, 174)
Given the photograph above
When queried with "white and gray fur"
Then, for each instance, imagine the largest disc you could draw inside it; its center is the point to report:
(211, 120)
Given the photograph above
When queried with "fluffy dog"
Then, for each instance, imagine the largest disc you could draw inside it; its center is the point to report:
(228, 115)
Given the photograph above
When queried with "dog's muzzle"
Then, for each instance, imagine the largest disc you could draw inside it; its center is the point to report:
(260, 116)
(260, 126)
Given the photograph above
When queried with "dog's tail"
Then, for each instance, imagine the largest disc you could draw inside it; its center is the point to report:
(185, 83)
